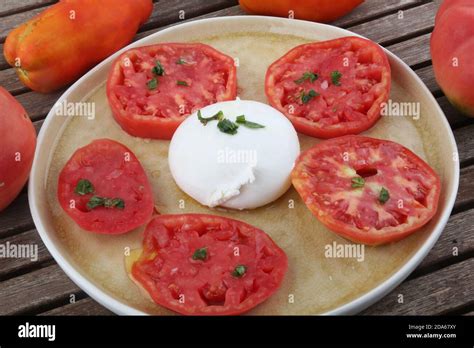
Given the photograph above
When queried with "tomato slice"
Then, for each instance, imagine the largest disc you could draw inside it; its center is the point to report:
(330, 88)
(240, 267)
(104, 188)
(368, 190)
(152, 89)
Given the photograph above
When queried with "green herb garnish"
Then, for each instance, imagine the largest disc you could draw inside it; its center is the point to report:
(97, 201)
(200, 254)
(84, 187)
(182, 83)
(336, 77)
(239, 271)
(307, 76)
(152, 84)
(204, 120)
(358, 182)
(241, 120)
(306, 97)
(158, 69)
(384, 195)
(227, 126)
(181, 61)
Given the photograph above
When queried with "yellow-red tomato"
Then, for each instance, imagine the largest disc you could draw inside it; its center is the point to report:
(452, 52)
(17, 147)
(60, 44)
(311, 10)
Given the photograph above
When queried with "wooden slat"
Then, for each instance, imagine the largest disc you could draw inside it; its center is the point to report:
(8, 23)
(16, 217)
(35, 290)
(12, 265)
(455, 118)
(465, 141)
(9, 7)
(37, 105)
(10, 81)
(434, 293)
(371, 9)
(413, 51)
(427, 76)
(391, 28)
(86, 306)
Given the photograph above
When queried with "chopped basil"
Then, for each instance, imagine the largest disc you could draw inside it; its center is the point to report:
(181, 61)
(96, 201)
(84, 187)
(217, 117)
(239, 271)
(358, 182)
(158, 69)
(307, 76)
(241, 120)
(336, 77)
(182, 83)
(306, 97)
(200, 254)
(384, 196)
(227, 126)
(152, 84)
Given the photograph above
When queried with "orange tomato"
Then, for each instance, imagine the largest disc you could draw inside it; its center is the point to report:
(312, 10)
(60, 44)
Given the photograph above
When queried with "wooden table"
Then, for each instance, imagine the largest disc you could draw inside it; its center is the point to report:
(442, 284)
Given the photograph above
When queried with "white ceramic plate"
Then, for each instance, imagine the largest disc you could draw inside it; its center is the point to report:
(438, 150)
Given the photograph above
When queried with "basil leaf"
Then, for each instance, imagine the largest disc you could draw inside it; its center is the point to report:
(181, 61)
(152, 84)
(241, 120)
(94, 202)
(204, 120)
(182, 83)
(358, 182)
(239, 271)
(97, 201)
(336, 77)
(200, 254)
(227, 126)
(307, 76)
(384, 195)
(84, 187)
(306, 97)
(158, 69)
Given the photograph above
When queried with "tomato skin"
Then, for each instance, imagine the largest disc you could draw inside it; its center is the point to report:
(276, 86)
(155, 127)
(115, 172)
(17, 138)
(453, 38)
(167, 270)
(59, 49)
(308, 179)
(312, 10)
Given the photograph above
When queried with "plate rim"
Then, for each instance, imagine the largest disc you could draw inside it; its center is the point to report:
(356, 305)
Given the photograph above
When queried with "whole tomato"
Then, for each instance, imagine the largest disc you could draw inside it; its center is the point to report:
(61, 43)
(311, 10)
(452, 52)
(17, 147)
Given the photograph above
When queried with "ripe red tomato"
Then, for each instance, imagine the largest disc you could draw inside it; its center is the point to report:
(152, 89)
(17, 147)
(312, 10)
(330, 88)
(200, 264)
(452, 52)
(367, 190)
(104, 188)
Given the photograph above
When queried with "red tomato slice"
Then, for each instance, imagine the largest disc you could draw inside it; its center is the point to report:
(330, 88)
(342, 182)
(151, 103)
(114, 173)
(240, 268)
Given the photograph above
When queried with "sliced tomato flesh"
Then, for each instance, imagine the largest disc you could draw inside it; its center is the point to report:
(208, 285)
(368, 190)
(349, 79)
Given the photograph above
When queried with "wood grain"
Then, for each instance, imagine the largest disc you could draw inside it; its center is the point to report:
(16, 217)
(10, 7)
(432, 294)
(35, 290)
(86, 306)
